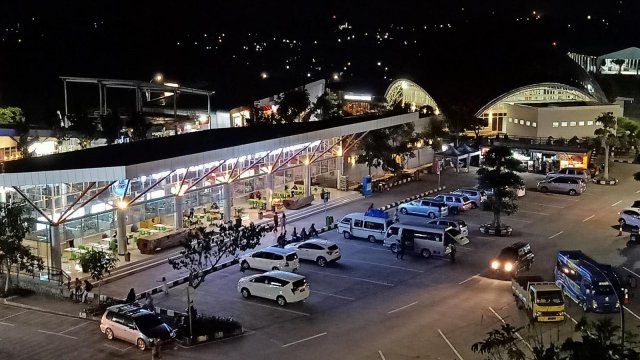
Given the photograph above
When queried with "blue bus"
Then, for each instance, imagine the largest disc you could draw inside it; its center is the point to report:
(593, 286)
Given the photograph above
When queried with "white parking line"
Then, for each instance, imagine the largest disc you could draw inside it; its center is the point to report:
(524, 221)
(350, 277)
(533, 212)
(589, 218)
(468, 279)
(306, 339)
(450, 345)
(53, 333)
(403, 307)
(390, 266)
(553, 206)
(4, 323)
(632, 313)
(75, 327)
(552, 236)
(16, 314)
(117, 348)
(517, 334)
(624, 267)
(334, 295)
(381, 355)
(275, 308)
(571, 318)
(616, 203)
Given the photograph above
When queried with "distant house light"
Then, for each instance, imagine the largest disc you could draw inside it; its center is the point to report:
(357, 97)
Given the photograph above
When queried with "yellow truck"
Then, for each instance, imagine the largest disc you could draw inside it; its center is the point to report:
(543, 300)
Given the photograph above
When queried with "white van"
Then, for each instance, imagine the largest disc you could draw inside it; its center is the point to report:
(423, 240)
(366, 227)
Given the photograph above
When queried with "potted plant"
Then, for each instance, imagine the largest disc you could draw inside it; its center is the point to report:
(239, 211)
(84, 261)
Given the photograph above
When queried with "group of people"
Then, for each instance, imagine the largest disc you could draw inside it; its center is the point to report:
(80, 290)
(451, 248)
(295, 237)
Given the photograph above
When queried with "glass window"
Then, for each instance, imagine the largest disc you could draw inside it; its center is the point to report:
(564, 124)
(521, 121)
(580, 123)
(373, 225)
(346, 221)
(535, 124)
(392, 231)
(573, 123)
(528, 123)
(357, 223)
(510, 120)
(590, 123)
(555, 124)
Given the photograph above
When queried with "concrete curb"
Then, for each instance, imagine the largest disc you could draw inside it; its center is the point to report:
(39, 309)
(386, 187)
(411, 198)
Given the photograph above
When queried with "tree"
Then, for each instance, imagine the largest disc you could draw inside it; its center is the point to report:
(84, 126)
(98, 263)
(111, 126)
(433, 134)
(607, 137)
(327, 106)
(402, 138)
(203, 249)
(600, 340)
(10, 114)
(14, 225)
(500, 344)
(24, 141)
(461, 118)
(294, 105)
(499, 175)
(374, 149)
(619, 62)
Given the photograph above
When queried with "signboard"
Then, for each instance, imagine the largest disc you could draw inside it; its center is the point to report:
(119, 188)
(366, 185)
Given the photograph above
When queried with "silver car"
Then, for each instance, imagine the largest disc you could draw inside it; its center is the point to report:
(456, 202)
(135, 325)
(427, 207)
(570, 172)
(563, 184)
(476, 196)
(457, 224)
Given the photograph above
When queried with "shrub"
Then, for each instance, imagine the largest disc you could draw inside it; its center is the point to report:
(209, 325)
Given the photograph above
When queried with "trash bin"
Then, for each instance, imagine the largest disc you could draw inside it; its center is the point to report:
(127, 256)
(329, 220)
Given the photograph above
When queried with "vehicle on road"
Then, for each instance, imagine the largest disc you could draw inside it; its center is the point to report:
(423, 240)
(457, 224)
(520, 192)
(571, 172)
(320, 251)
(456, 202)
(361, 226)
(283, 287)
(543, 300)
(477, 197)
(513, 259)
(135, 325)
(630, 216)
(271, 258)
(562, 184)
(429, 208)
(593, 286)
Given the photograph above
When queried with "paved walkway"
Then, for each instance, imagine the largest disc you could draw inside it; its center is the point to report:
(149, 279)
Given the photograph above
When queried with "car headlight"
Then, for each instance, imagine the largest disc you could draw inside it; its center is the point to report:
(594, 304)
(538, 313)
(508, 266)
(495, 265)
(618, 303)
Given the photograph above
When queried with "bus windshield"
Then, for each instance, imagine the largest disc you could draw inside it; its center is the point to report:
(603, 289)
(549, 298)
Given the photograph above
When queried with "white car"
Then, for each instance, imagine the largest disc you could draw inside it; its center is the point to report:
(630, 216)
(320, 251)
(271, 258)
(281, 286)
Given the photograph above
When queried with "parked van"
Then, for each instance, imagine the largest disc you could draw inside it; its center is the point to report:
(366, 227)
(423, 240)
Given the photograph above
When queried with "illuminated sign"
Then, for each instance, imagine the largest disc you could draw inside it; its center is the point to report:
(119, 188)
(357, 97)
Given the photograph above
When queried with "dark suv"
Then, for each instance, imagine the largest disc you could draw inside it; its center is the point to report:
(513, 259)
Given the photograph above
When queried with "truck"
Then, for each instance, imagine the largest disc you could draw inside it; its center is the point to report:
(543, 300)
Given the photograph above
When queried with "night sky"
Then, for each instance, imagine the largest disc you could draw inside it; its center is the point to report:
(226, 45)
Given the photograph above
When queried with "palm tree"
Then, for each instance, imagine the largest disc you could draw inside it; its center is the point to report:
(607, 136)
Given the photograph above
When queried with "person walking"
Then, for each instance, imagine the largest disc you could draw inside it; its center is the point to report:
(131, 297)
(453, 253)
(165, 287)
(396, 217)
(400, 252)
(275, 222)
(282, 239)
(284, 222)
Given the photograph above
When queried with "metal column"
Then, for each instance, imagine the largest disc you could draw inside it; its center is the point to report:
(56, 253)
(306, 174)
(269, 187)
(227, 194)
(179, 206)
(121, 219)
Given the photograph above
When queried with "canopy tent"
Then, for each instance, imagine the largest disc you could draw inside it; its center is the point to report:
(462, 152)
(631, 56)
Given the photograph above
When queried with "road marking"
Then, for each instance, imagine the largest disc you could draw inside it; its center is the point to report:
(401, 308)
(470, 278)
(553, 206)
(632, 313)
(16, 314)
(75, 327)
(391, 266)
(589, 218)
(484, 237)
(570, 318)
(524, 221)
(275, 308)
(450, 345)
(334, 295)
(4, 323)
(350, 277)
(614, 204)
(624, 267)
(381, 355)
(53, 333)
(552, 236)
(533, 212)
(309, 338)
(517, 334)
(117, 348)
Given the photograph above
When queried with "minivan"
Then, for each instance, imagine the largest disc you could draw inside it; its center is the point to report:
(432, 209)
(135, 325)
(283, 287)
(271, 258)
(366, 227)
(456, 202)
(571, 172)
(423, 240)
(563, 184)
